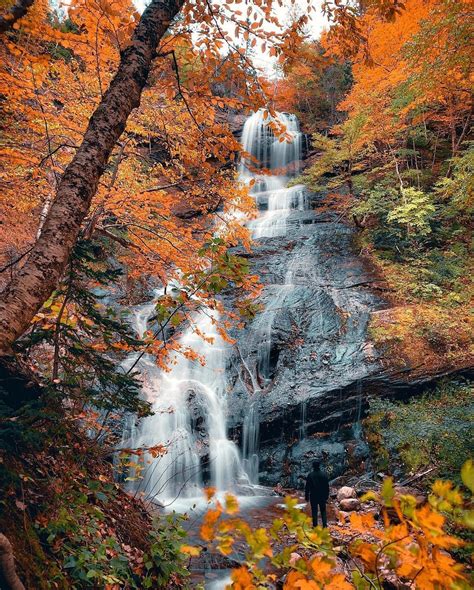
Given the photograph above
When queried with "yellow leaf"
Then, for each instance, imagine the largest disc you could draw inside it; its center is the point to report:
(467, 474)
(231, 504)
(190, 550)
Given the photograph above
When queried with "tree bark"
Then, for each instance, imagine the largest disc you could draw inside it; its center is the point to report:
(7, 566)
(40, 274)
(17, 11)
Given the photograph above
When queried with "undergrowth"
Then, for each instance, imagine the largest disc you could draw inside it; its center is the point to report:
(433, 430)
(71, 525)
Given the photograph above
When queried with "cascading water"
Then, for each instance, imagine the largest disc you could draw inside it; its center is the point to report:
(189, 416)
(309, 348)
(189, 401)
(281, 160)
(250, 436)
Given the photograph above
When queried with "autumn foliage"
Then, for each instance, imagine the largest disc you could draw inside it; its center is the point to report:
(399, 166)
(395, 541)
(386, 94)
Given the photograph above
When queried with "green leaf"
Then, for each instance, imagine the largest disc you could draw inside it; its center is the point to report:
(102, 497)
(467, 474)
(468, 518)
(70, 562)
(176, 320)
(388, 492)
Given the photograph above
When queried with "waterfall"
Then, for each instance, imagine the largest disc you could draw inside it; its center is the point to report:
(250, 436)
(270, 164)
(282, 160)
(189, 400)
(189, 417)
(266, 150)
(302, 427)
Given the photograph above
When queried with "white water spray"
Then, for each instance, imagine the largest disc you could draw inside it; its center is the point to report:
(270, 165)
(282, 160)
(189, 416)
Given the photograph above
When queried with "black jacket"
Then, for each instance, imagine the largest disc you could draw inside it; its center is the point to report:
(317, 487)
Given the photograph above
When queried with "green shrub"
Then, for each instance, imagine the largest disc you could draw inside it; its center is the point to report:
(435, 429)
(91, 552)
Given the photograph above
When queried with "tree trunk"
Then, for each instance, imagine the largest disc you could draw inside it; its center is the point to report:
(41, 272)
(7, 566)
(17, 11)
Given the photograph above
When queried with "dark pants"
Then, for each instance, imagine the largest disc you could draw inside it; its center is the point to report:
(314, 512)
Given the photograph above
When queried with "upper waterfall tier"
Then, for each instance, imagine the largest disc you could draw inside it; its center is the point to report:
(267, 150)
(270, 159)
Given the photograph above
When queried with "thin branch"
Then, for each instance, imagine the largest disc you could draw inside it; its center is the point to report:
(366, 578)
(51, 153)
(180, 89)
(122, 241)
(165, 324)
(10, 264)
(46, 126)
(235, 48)
(97, 62)
(57, 330)
(171, 185)
(380, 552)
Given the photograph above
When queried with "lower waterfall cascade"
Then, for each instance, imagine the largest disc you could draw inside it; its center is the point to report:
(190, 401)
(189, 418)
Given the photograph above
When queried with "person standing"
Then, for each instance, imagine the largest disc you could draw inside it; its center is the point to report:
(317, 493)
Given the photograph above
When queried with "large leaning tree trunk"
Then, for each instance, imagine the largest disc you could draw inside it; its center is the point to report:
(40, 274)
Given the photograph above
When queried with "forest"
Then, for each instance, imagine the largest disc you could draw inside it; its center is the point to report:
(236, 289)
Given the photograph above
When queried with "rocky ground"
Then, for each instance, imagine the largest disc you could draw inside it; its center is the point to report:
(344, 500)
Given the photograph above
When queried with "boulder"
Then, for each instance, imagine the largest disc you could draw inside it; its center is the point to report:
(346, 492)
(349, 504)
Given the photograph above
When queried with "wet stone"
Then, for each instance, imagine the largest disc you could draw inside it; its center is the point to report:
(349, 504)
(345, 493)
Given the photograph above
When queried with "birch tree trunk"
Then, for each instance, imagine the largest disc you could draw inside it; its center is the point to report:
(40, 274)
(7, 566)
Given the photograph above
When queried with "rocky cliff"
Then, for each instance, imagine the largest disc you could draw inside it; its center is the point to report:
(308, 349)
(302, 372)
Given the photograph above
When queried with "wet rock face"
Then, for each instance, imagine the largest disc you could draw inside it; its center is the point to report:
(289, 462)
(303, 360)
(233, 119)
(197, 409)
